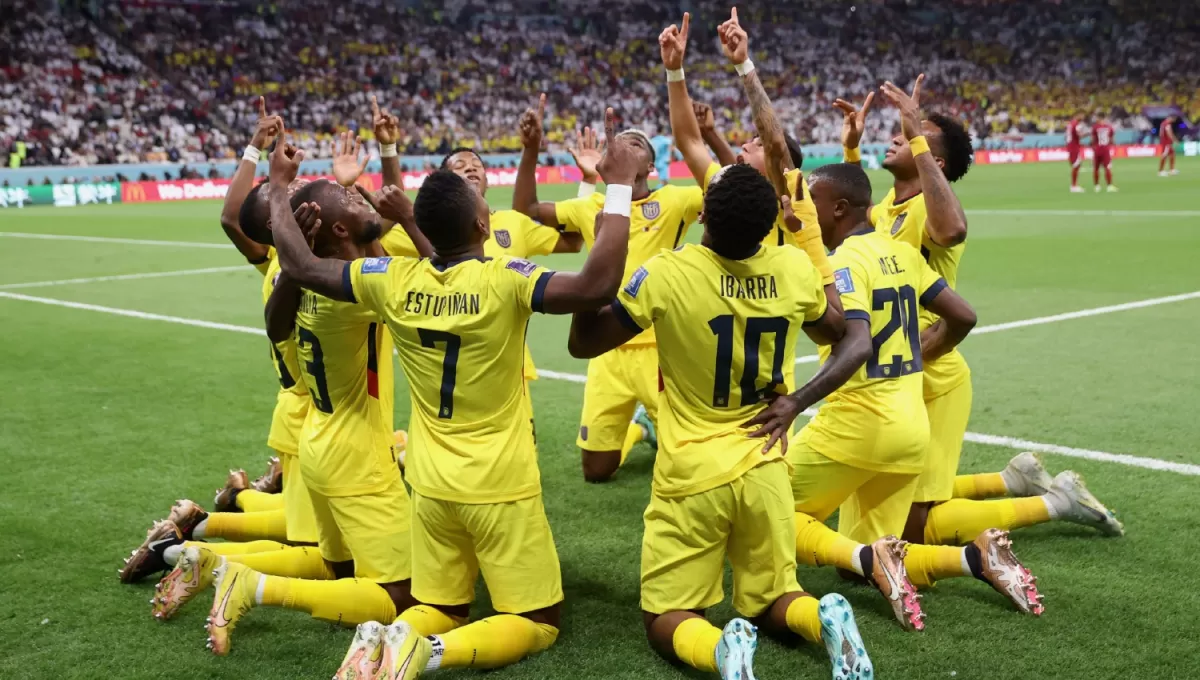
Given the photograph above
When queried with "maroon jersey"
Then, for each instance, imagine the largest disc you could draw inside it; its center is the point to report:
(1073, 133)
(1102, 136)
(1166, 133)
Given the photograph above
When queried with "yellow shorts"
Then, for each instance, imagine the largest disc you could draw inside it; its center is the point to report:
(873, 504)
(750, 520)
(616, 382)
(510, 543)
(948, 416)
(297, 504)
(373, 530)
(287, 420)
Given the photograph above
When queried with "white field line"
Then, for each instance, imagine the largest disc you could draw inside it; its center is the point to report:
(123, 277)
(1089, 213)
(1066, 316)
(988, 439)
(105, 239)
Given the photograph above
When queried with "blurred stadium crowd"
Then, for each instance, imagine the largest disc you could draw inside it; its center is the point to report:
(128, 82)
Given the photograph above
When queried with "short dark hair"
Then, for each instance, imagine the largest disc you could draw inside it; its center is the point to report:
(795, 151)
(252, 219)
(956, 149)
(849, 179)
(313, 192)
(446, 209)
(740, 209)
(457, 150)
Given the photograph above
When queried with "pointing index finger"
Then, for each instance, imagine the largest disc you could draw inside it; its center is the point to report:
(916, 95)
(733, 16)
(262, 107)
(866, 107)
(541, 111)
(687, 22)
(374, 106)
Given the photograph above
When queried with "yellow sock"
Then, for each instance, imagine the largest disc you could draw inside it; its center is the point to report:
(928, 563)
(428, 620)
(633, 435)
(236, 548)
(961, 521)
(348, 601)
(802, 618)
(817, 545)
(496, 641)
(305, 563)
(247, 526)
(981, 486)
(695, 642)
(250, 500)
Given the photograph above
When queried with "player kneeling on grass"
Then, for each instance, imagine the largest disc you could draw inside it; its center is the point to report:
(458, 322)
(727, 314)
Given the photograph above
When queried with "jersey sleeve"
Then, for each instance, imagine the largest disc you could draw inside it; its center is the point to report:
(539, 239)
(932, 283)
(529, 280)
(853, 286)
(368, 281)
(713, 169)
(578, 215)
(640, 301)
(397, 243)
(263, 265)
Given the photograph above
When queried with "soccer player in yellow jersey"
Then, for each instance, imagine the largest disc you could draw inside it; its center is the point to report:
(922, 210)
(865, 449)
(727, 314)
(458, 321)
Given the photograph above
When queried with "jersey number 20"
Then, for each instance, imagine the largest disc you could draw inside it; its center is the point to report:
(756, 328)
(903, 301)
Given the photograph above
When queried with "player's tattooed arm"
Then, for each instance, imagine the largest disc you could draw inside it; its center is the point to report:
(845, 358)
(735, 44)
(265, 131)
(324, 276)
(958, 318)
(945, 221)
(711, 135)
(672, 44)
(525, 198)
(597, 282)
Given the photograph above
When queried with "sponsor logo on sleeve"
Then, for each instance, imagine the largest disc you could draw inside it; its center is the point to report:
(635, 282)
(376, 265)
(842, 278)
(523, 267)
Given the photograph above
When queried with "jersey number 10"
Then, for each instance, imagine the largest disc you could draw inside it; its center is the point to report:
(756, 328)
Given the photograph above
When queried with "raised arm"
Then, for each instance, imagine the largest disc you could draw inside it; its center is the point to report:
(393, 204)
(324, 276)
(958, 318)
(387, 134)
(854, 122)
(596, 284)
(280, 313)
(713, 137)
(735, 44)
(265, 130)
(525, 198)
(672, 44)
(945, 221)
(846, 357)
(568, 243)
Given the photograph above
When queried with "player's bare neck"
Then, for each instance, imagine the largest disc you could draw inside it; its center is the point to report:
(905, 188)
(640, 189)
(467, 252)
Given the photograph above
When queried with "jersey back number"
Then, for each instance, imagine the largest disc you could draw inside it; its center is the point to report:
(894, 359)
(756, 327)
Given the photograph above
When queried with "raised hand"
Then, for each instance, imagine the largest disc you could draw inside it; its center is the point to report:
(853, 120)
(620, 163)
(267, 128)
(672, 43)
(794, 224)
(387, 126)
(285, 162)
(531, 125)
(308, 217)
(346, 165)
(704, 117)
(586, 153)
(909, 105)
(390, 202)
(734, 41)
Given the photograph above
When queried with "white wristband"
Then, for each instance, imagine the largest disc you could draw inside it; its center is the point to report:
(387, 151)
(251, 154)
(744, 68)
(586, 189)
(618, 198)
(675, 76)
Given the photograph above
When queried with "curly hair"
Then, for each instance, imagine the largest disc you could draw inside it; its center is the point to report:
(255, 214)
(956, 150)
(740, 208)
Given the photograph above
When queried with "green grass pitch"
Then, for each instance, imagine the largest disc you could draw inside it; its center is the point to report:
(107, 419)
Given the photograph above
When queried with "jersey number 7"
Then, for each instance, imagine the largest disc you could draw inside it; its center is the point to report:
(756, 327)
(449, 366)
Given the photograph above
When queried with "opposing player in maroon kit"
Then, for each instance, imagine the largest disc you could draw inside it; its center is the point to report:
(1102, 147)
(1166, 146)
(1076, 129)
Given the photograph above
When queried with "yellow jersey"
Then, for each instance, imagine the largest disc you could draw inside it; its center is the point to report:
(803, 207)
(905, 221)
(877, 420)
(513, 233)
(460, 331)
(726, 336)
(283, 354)
(346, 358)
(657, 222)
